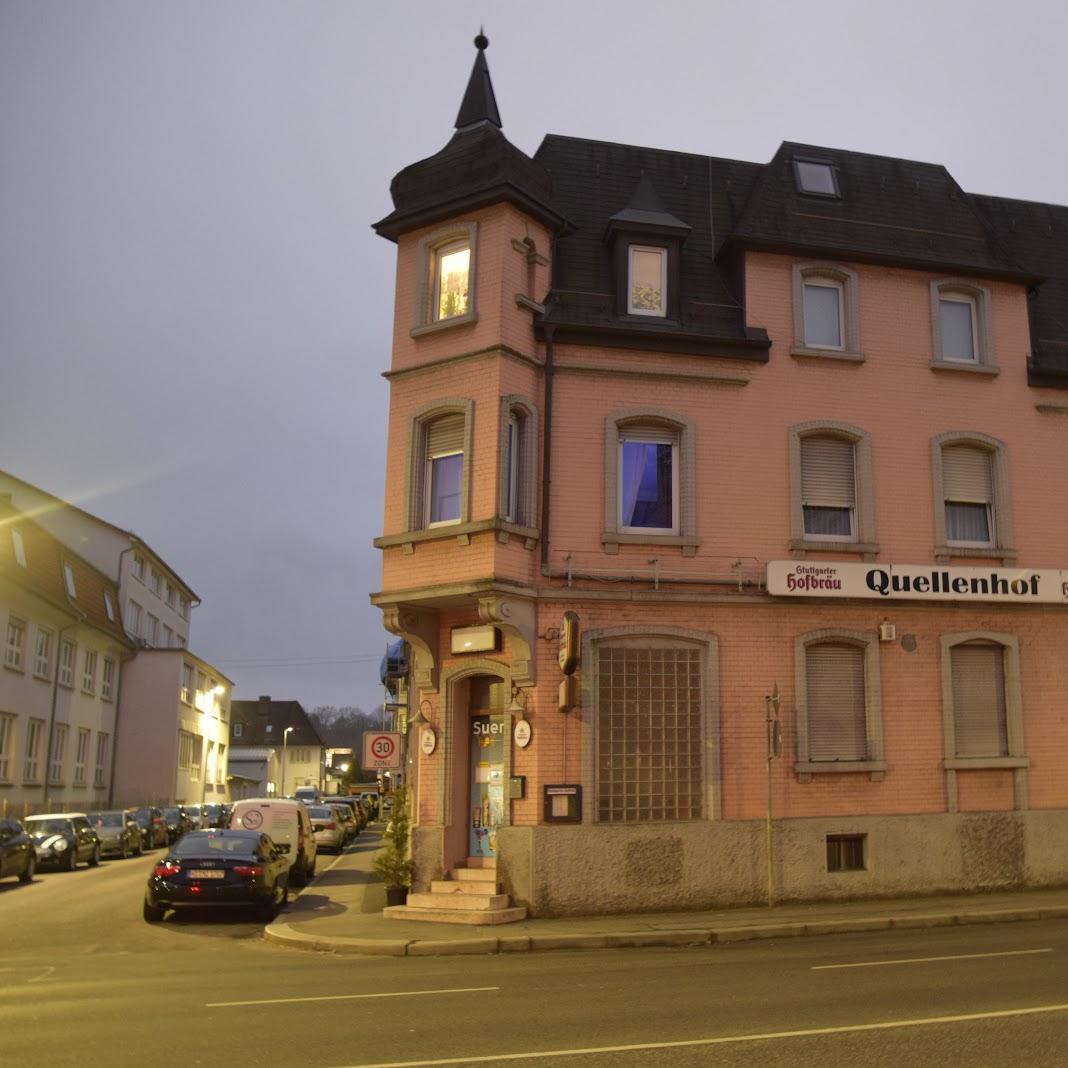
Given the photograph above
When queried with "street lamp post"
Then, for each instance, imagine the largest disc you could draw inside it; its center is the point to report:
(285, 744)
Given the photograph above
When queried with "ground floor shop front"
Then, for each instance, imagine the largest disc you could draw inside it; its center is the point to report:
(915, 747)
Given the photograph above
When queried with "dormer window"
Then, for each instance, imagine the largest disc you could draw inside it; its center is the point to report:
(68, 578)
(19, 547)
(647, 281)
(816, 177)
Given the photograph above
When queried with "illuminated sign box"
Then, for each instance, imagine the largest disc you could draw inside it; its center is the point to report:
(483, 639)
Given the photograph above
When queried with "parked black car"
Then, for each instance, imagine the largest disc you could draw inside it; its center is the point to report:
(17, 855)
(178, 823)
(153, 826)
(119, 833)
(219, 867)
(63, 839)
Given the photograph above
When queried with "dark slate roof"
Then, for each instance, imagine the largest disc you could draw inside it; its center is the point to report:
(593, 181)
(257, 716)
(478, 167)
(1037, 235)
(889, 210)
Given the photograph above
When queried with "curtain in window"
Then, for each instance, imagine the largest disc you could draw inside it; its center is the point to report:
(837, 720)
(967, 480)
(979, 700)
(823, 318)
(646, 484)
(828, 486)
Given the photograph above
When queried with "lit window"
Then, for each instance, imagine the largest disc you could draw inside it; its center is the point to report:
(957, 328)
(452, 272)
(647, 281)
(816, 177)
(68, 578)
(19, 547)
(648, 480)
(828, 488)
(823, 315)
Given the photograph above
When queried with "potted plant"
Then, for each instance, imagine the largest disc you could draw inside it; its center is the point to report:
(393, 863)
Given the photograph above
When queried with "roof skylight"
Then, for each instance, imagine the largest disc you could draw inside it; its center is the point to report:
(816, 177)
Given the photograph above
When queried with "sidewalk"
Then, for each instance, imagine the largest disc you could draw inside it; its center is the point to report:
(341, 912)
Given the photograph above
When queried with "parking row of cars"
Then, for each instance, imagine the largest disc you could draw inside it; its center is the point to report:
(64, 840)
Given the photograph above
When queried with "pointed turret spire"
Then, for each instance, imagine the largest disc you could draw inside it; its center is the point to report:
(479, 103)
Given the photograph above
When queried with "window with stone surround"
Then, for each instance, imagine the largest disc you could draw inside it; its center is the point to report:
(839, 704)
(826, 311)
(438, 464)
(447, 262)
(972, 506)
(961, 331)
(649, 480)
(518, 469)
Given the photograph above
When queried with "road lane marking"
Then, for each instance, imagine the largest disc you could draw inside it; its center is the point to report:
(725, 1040)
(352, 997)
(925, 960)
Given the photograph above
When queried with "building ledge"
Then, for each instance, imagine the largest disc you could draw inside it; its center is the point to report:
(444, 324)
(462, 532)
(989, 369)
(968, 763)
(612, 540)
(800, 547)
(805, 769)
(945, 553)
(804, 352)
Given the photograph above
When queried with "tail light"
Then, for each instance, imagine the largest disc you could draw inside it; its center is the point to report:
(166, 869)
(300, 837)
(249, 870)
(331, 826)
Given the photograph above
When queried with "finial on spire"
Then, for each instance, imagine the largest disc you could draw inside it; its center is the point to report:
(479, 103)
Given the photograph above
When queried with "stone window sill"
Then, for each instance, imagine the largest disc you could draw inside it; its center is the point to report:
(803, 352)
(461, 532)
(805, 769)
(611, 540)
(960, 365)
(800, 546)
(444, 324)
(944, 553)
(967, 763)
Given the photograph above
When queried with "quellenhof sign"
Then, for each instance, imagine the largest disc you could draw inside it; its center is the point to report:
(917, 582)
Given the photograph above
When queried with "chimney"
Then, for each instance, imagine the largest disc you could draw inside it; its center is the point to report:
(264, 707)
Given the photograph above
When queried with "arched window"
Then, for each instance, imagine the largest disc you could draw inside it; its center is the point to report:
(826, 312)
(439, 464)
(961, 333)
(518, 468)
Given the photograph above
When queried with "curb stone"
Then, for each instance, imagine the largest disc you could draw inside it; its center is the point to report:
(283, 934)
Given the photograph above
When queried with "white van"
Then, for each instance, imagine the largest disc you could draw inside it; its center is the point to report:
(289, 827)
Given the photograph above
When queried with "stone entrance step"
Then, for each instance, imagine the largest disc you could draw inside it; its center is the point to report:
(468, 895)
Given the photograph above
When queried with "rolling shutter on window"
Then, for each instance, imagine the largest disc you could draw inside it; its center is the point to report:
(836, 707)
(979, 700)
(966, 474)
(827, 472)
(445, 435)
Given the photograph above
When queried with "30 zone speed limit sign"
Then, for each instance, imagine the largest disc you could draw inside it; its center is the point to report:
(381, 750)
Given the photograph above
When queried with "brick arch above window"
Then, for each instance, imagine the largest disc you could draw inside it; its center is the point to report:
(965, 294)
(420, 422)
(675, 428)
(842, 280)
(1001, 546)
(809, 759)
(864, 540)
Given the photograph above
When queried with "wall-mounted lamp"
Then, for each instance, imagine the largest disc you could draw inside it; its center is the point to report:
(518, 708)
(422, 713)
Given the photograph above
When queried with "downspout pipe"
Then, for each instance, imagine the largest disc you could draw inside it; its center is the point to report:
(123, 661)
(546, 449)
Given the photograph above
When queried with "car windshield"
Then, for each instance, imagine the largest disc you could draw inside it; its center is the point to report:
(109, 819)
(45, 826)
(321, 813)
(205, 845)
(172, 814)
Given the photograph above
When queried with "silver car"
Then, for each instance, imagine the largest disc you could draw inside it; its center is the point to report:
(119, 833)
(328, 827)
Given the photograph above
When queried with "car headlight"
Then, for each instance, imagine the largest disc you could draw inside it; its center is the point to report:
(60, 845)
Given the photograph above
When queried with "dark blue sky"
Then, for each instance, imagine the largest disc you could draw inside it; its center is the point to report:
(194, 313)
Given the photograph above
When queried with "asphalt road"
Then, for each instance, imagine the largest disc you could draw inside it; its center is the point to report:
(83, 980)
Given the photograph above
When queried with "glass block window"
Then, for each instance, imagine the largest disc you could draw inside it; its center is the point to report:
(649, 734)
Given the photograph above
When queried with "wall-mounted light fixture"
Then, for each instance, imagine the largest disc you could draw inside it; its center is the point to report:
(518, 708)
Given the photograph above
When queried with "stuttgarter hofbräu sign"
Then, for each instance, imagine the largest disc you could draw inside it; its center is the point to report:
(917, 582)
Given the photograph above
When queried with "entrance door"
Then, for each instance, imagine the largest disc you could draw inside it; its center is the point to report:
(489, 738)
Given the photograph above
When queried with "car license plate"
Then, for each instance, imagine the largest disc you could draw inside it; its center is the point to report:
(204, 873)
